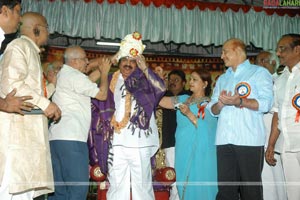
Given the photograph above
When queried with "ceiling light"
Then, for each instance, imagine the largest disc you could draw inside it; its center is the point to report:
(108, 44)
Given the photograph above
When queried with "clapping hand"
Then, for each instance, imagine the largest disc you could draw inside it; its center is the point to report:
(227, 98)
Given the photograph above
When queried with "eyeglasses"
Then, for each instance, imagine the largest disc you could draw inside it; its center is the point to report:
(175, 80)
(263, 61)
(45, 26)
(282, 49)
(83, 59)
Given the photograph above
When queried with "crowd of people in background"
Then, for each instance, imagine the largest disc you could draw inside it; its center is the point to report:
(236, 140)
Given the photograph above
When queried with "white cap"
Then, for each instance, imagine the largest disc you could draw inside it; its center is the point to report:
(131, 46)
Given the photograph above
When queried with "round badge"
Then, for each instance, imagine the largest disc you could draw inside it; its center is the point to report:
(243, 89)
(296, 101)
(203, 103)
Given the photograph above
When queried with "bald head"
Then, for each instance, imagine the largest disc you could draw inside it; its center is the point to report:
(267, 60)
(34, 25)
(31, 20)
(233, 53)
(237, 44)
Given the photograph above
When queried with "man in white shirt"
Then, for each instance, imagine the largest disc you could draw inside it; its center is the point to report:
(272, 176)
(285, 135)
(68, 137)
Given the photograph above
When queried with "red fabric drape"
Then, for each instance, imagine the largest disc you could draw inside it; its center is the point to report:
(189, 4)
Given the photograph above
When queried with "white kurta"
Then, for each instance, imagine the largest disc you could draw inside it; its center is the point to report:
(126, 137)
(73, 96)
(286, 87)
(24, 139)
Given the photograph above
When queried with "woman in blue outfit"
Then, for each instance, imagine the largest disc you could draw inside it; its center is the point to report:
(195, 151)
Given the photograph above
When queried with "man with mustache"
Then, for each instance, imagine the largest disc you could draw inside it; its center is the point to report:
(285, 135)
(126, 120)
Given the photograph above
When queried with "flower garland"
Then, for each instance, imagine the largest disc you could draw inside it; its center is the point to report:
(122, 124)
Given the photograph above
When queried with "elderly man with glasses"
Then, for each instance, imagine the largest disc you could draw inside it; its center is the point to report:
(68, 137)
(285, 135)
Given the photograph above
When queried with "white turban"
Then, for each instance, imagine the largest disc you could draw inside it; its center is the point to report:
(131, 46)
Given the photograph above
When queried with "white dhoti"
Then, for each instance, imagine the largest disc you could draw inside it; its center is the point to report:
(130, 165)
(273, 181)
(291, 167)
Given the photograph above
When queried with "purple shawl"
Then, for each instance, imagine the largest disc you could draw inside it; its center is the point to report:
(146, 91)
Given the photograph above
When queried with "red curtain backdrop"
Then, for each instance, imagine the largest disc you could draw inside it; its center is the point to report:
(179, 4)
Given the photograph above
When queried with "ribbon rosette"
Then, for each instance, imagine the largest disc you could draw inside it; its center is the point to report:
(201, 109)
(296, 105)
(243, 89)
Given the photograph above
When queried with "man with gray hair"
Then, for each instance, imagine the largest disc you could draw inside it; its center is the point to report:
(68, 137)
(285, 136)
(268, 60)
(272, 176)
